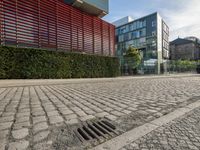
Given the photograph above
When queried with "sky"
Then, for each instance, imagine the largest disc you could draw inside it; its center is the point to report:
(182, 16)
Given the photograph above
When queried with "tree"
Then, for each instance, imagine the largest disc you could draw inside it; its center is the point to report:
(132, 58)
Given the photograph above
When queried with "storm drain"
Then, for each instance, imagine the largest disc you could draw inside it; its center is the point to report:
(96, 131)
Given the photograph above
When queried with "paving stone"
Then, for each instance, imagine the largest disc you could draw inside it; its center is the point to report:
(127, 112)
(136, 100)
(81, 113)
(72, 121)
(117, 113)
(20, 134)
(43, 146)
(152, 111)
(20, 145)
(22, 119)
(132, 108)
(55, 119)
(101, 115)
(7, 114)
(22, 114)
(40, 126)
(66, 112)
(90, 112)
(38, 113)
(88, 117)
(107, 109)
(179, 134)
(71, 116)
(22, 125)
(39, 119)
(111, 117)
(52, 113)
(75, 109)
(4, 134)
(6, 119)
(41, 136)
(5, 125)
(3, 143)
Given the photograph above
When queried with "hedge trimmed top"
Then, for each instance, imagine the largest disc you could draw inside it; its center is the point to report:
(22, 63)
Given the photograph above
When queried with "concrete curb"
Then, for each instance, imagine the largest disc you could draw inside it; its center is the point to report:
(132, 135)
(34, 82)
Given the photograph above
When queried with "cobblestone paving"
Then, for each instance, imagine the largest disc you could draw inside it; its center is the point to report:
(181, 134)
(29, 114)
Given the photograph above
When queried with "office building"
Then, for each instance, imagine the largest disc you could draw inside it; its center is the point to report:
(149, 34)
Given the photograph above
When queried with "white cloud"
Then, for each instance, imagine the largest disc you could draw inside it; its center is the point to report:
(182, 16)
(185, 20)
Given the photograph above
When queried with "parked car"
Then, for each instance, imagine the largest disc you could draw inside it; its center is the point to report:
(198, 68)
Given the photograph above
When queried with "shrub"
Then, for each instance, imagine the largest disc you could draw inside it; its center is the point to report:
(25, 63)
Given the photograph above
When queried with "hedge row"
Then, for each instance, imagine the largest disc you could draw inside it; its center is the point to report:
(22, 63)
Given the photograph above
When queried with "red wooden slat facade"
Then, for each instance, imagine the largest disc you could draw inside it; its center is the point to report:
(53, 25)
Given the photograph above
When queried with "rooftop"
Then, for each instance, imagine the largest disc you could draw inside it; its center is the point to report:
(133, 20)
(97, 8)
(180, 41)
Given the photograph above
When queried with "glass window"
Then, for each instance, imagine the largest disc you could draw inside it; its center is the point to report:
(142, 40)
(137, 43)
(129, 43)
(121, 38)
(153, 23)
(126, 37)
(138, 34)
(153, 33)
(138, 25)
(134, 25)
(122, 29)
(131, 27)
(141, 24)
(129, 36)
(142, 32)
(127, 28)
(134, 34)
(144, 23)
(134, 43)
(117, 31)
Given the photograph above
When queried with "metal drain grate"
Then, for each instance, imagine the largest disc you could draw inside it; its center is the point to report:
(96, 131)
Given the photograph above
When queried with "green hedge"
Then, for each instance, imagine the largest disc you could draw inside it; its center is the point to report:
(22, 63)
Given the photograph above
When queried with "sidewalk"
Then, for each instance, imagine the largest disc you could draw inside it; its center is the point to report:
(29, 82)
(179, 130)
(34, 113)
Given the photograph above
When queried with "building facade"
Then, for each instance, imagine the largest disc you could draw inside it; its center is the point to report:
(185, 49)
(149, 34)
(63, 25)
(98, 8)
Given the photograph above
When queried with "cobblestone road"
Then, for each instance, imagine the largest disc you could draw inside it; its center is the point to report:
(28, 114)
(181, 134)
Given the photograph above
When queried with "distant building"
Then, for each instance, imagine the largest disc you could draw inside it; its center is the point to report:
(150, 34)
(185, 49)
(123, 21)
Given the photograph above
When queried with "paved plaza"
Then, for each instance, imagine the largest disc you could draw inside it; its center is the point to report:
(181, 134)
(29, 113)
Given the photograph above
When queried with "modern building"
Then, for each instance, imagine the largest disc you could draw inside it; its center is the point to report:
(63, 25)
(149, 34)
(185, 49)
(98, 8)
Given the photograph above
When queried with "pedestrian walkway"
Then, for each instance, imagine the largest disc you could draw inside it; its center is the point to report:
(181, 134)
(31, 110)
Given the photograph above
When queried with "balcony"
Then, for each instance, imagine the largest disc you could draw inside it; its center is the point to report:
(97, 8)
